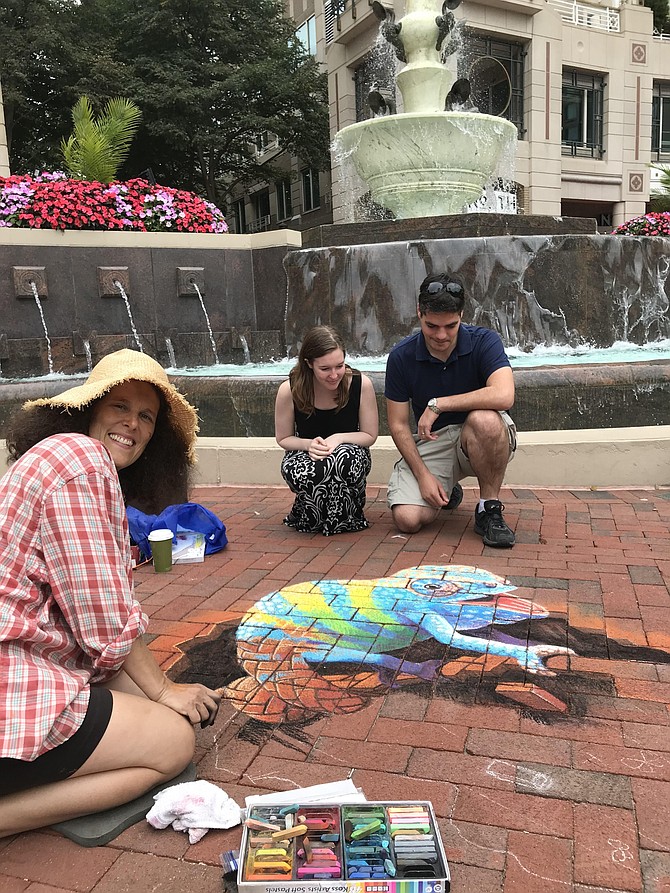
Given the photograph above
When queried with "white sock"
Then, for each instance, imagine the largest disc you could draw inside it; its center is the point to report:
(480, 507)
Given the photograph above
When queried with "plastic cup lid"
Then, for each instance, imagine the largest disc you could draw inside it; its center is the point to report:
(162, 534)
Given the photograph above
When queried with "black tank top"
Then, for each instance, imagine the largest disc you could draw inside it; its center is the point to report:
(324, 422)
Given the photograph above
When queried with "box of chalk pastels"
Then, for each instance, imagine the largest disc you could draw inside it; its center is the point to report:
(354, 848)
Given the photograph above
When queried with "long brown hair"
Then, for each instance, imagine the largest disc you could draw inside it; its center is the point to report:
(319, 341)
(160, 477)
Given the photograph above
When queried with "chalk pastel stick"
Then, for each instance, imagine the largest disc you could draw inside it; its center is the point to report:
(314, 868)
(295, 831)
(317, 823)
(366, 830)
(289, 810)
(258, 825)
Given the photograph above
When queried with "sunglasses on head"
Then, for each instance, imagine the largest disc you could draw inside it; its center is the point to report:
(436, 288)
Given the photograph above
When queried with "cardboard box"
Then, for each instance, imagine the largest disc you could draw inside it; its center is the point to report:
(370, 847)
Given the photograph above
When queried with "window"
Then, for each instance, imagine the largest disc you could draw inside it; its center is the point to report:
(261, 204)
(284, 205)
(582, 123)
(240, 216)
(306, 34)
(660, 119)
(495, 69)
(265, 141)
(310, 189)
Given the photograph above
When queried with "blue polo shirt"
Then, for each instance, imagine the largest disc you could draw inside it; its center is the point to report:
(415, 375)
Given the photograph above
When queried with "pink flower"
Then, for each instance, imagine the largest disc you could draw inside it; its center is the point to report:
(52, 200)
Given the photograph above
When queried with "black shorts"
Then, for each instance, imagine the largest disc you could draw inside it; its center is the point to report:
(62, 761)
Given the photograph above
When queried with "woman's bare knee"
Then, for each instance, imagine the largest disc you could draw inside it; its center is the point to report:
(179, 749)
(144, 734)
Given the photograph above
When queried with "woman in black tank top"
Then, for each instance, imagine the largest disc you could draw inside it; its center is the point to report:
(326, 420)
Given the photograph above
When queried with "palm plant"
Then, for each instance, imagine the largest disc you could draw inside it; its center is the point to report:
(98, 146)
(660, 201)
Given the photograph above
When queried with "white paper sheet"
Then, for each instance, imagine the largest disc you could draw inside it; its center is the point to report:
(331, 792)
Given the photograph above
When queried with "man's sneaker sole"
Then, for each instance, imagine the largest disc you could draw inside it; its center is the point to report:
(455, 499)
(488, 542)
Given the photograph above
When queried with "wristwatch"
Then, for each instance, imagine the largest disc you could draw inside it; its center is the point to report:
(432, 405)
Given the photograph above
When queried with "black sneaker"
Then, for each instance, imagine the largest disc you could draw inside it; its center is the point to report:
(490, 525)
(455, 499)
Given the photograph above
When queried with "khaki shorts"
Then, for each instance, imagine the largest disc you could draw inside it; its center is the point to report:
(445, 458)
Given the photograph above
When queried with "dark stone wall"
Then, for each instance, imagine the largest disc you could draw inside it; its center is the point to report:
(549, 398)
(536, 289)
(449, 226)
(244, 292)
(555, 288)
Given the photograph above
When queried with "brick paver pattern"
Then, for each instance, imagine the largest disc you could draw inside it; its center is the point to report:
(535, 788)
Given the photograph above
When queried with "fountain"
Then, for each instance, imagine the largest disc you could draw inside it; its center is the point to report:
(536, 280)
(426, 160)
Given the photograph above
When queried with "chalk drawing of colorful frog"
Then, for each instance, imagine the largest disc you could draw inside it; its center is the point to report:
(293, 642)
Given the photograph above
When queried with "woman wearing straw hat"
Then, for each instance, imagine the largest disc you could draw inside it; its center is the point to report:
(88, 720)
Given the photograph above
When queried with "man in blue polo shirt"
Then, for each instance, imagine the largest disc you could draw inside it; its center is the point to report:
(458, 382)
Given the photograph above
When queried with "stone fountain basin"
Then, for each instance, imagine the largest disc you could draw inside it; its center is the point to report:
(422, 164)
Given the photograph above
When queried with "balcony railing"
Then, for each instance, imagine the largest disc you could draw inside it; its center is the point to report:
(598, 17)
(659, 35)
(260, 225)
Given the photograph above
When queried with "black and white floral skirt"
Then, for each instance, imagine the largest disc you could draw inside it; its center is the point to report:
(329, 493)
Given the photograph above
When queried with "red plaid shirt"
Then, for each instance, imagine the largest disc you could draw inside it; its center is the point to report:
(68, 616)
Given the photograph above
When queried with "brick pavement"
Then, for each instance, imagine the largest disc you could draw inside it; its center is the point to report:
(530, 796)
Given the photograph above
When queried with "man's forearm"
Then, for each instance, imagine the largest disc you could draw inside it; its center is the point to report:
(404, 441)
(484, 398)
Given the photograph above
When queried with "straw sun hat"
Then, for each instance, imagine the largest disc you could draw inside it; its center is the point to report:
(117, 368)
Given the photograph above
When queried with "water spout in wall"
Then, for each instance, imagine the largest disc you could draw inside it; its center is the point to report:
(245, 348)
(126, 301)
(170, 352)
(34, 289)
(87, 351)
(206, 315)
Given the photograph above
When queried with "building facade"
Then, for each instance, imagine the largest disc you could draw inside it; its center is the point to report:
(586, 84)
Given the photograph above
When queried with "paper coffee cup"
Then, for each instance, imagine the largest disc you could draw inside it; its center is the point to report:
(161, 549)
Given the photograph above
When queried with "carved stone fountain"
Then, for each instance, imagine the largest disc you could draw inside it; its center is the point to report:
(435, 156)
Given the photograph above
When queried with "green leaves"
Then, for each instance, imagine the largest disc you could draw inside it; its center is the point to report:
(208, 75)
(98, 146)
(660, 201)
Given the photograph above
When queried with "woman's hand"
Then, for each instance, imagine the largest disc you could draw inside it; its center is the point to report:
(196, 702)
(319, 449)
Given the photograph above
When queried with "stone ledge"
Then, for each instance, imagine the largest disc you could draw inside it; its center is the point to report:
(613, 457)
(601, 458)
(74, 238)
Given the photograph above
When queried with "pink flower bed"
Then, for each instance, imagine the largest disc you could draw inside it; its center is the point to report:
(657, 224)
(53, 201)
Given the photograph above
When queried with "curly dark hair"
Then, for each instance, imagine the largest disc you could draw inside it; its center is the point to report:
(160, 477)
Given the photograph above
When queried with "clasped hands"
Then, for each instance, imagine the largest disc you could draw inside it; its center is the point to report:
(319, 448)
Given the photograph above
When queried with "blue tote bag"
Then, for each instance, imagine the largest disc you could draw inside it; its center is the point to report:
(187, 516)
